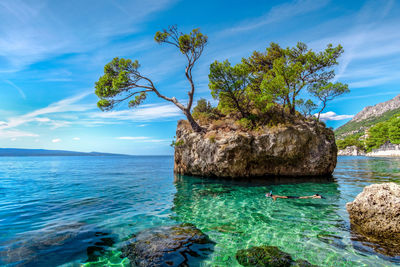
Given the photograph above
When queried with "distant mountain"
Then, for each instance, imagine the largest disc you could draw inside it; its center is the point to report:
(368, 117)
(20, 152)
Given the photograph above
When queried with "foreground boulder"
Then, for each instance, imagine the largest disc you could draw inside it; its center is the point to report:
(304, 148)
(268, 256)
(168, 246)
(375, 212)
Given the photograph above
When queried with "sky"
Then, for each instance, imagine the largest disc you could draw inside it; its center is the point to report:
(52, 53)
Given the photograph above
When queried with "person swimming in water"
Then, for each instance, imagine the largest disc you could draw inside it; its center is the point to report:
(274, 197)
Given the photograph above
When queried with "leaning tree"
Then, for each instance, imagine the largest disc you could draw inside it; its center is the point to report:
(122, 80)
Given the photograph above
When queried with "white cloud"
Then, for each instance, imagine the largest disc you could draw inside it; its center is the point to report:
(57, 140)
(332, 116)
(76, 138)
(13, 139)
(147, 112)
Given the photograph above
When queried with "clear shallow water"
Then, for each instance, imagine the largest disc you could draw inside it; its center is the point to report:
(79, 210)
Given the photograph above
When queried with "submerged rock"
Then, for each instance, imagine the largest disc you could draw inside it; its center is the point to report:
(168, 246)
(376, 211)
(301, 149)
(56, 245)
(268, 256)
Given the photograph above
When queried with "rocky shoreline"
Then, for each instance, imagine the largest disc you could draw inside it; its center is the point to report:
(387, 150)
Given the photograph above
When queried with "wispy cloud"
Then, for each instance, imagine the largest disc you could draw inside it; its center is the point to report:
(76, 139)
(146, 112)
(278, 13)
(8, 128)
(57, 140)
(15, 133)
(20, 91)
(332, 116)
(34, 31)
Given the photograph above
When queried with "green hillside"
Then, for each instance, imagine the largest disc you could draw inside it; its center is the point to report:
(381, 129)
(357, 127)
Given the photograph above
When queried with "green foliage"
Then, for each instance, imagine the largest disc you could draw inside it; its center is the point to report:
(119, 76)
(178, 143)
(306, 107)
(377, 136)
(296, 69)
(352, 140)
(327, 91)
(204, 112)
(228, 84)
(123, 81)
(191, 44)
(360, 126)
(388, 131)
(394, 130)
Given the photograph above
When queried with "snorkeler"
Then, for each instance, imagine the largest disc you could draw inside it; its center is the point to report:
(274, 197)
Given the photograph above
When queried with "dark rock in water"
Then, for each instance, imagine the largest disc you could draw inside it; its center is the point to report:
(302, 263)
(263, 256)
(168, 246)
(268, 256)
(43, 247)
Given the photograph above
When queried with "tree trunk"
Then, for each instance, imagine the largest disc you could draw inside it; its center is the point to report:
(195, 126)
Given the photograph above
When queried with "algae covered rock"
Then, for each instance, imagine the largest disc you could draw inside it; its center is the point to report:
(376, 210)
(268, 256)
(263, 256)
(168, 246)
(304, 148)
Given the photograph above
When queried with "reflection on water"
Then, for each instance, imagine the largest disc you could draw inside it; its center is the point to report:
(67, 210)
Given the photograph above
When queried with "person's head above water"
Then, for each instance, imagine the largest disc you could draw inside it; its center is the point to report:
(269, 194)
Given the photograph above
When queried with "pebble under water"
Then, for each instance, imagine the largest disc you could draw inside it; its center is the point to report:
(73, 211)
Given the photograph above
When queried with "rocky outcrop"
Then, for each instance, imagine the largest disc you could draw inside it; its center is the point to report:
(378, 109)
(306, 148)
(376, 211)
(167, 246)
(386, 150)
(351, 151)
(268, 256)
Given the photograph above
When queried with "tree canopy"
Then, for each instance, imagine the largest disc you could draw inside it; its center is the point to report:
(228, 84)
(278, 76)
(122, 80)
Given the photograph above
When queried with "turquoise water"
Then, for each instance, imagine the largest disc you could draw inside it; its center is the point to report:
(74, 211)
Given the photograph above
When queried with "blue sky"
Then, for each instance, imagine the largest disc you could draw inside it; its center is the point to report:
(52, 52)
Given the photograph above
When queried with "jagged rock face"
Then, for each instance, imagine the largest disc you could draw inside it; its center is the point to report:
(351, 151)
(378, 109)
(304, 149)
(376, 211)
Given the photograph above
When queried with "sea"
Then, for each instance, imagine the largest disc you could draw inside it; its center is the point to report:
(82, 210)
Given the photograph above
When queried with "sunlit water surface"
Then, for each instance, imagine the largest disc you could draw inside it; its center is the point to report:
(79, 210)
